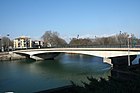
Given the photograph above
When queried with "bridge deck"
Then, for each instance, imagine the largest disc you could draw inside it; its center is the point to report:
(82, 49)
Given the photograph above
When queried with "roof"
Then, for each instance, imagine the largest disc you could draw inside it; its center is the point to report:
(23, 37)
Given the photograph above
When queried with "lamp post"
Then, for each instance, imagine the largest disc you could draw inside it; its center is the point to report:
(120, 39)
(128, 51)
(8, 41)
(77, 41)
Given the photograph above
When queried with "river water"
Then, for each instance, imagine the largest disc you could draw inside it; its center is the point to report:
(27, 76)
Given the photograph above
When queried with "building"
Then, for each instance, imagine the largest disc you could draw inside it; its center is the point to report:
(37, 44)
(22, 42)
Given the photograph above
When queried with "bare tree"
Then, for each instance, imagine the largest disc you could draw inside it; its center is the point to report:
(122, 38)
(6, 43)
(117, 40)
(53, 39)
(80, 42)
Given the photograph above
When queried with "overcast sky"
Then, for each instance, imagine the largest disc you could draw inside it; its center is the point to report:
(69, 17)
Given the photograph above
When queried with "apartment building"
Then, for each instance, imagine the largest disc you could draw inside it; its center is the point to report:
(22, 42)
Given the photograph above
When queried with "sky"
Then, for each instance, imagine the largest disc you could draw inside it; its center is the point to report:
(86, 18)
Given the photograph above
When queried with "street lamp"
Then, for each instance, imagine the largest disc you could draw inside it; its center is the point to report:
(120, 38)
(128, 50)
(8, 41)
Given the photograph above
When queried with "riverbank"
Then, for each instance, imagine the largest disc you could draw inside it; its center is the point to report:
(6, 56)
(65, 89)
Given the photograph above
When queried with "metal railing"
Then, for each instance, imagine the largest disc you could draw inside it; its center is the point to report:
(83, 46)
(95, 46)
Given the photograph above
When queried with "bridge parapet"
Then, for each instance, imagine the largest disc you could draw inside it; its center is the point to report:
(97, 46)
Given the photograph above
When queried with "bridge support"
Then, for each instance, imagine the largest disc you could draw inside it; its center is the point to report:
(44, 56)
(122, 61)
(107, 60)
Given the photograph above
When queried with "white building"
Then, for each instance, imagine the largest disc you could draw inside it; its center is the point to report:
(22, 42)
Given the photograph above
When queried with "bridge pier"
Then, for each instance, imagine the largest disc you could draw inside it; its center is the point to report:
(107, 60)
(122, 61)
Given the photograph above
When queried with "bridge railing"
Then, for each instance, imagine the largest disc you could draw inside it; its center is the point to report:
(96, 46)
(86, 46)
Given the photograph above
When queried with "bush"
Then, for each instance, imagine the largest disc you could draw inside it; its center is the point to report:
(112, 85)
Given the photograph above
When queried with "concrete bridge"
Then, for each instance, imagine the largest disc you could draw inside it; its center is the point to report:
(106, 53)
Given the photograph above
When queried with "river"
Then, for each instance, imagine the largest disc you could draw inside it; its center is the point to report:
(27, 76)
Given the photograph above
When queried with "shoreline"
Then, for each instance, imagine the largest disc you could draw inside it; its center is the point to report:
(9, 56)
(63, 89)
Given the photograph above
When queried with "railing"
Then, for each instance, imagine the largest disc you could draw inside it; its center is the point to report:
(84, 46)
(94, 46)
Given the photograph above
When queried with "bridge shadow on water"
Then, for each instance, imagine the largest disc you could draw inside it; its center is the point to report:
(73, 67)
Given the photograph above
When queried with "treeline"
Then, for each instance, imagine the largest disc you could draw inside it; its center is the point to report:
(53, 39)
(119, 40)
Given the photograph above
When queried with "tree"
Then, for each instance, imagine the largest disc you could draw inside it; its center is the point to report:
(53, 39)
(80, 42)
(122, 38)
(6, 43)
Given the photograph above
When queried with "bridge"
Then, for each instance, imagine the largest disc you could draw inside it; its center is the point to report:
(106, 53)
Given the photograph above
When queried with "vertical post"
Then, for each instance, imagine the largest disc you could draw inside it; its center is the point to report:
(95, 43)
(120, 39)
(8, 41)
(128, 52)
(78, 41)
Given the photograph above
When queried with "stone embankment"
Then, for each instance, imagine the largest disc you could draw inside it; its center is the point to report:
(10, 56)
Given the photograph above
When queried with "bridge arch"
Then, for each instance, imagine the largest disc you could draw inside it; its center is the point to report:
(106, 53)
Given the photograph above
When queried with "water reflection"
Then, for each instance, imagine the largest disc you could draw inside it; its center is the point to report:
(71, 67)
(42, 75)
